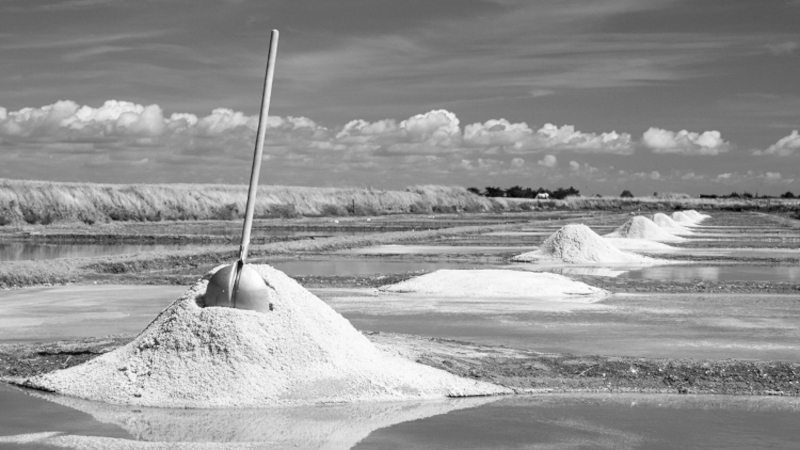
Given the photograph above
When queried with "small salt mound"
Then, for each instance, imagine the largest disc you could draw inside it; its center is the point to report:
(578, 244)
(302, 352)
(682, 218)
(640, 227)
(494, 283)
(665, 221)
(640, 245)
(696, 215)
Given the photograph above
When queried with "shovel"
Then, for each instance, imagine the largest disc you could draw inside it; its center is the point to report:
(239, 285)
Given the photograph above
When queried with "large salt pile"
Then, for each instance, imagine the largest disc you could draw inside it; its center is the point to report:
(683, 218)
(495, 283)
(302, 352)
(577, 244)
(640, 227)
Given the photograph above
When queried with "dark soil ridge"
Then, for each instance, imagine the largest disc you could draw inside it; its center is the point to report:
(520, 370)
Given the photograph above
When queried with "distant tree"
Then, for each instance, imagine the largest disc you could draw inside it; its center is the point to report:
(734, 194)
(475, 190)
(562, 193)
(494, 192)
(788, 194)
(515, 191)
(747, 195)
(626, 194)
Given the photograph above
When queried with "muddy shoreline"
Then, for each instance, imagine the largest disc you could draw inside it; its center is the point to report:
(520, 370)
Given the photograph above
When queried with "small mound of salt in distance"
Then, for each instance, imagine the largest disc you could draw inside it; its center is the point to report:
(696, 215)
(302, 352)
(640, 227)
(682, 218)
(494, 283)
(665, 221)
(578, 244)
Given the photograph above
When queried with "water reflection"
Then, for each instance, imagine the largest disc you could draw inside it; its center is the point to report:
(308, 427)
(544, 421)
(16, 251)
(786, 273)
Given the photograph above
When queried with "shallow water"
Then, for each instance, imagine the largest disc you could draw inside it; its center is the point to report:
(713, 326)
(576, 421)
(17, 251)
(350, 267)
(436, 249)
(784, 274)
(72, 312)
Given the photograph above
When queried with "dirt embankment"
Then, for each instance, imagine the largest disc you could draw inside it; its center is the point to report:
(520, 370)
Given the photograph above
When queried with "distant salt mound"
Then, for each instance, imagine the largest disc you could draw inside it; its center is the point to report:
(696, 215)
(682, 218)
(577, 244)
(303, 352)
(665, 221)
(640, 245)
(495, 283)
(640, 227)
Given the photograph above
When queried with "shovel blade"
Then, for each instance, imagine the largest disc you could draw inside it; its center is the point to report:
(239, 286)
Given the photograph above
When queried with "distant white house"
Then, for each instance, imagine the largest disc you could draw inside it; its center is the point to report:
(543, 195)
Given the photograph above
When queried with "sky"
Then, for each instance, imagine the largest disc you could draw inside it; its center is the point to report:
(692, 96)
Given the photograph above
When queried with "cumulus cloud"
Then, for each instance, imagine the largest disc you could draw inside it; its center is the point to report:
(784, 147)
(574, 165)
(685, 142)
(548, 161)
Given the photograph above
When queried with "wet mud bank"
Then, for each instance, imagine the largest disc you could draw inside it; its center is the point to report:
(519, 370)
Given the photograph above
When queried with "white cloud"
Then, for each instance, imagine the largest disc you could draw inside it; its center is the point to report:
(574, 165)
(548, 161)
(784, 48)
(567, 138)
(784, 147)
(655, 175)
(684, 142)
(518, 163)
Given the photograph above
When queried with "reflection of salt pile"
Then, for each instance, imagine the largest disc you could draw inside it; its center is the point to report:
(494, 283)
(303, 352)
(665, 221)
(307, 427)
(682, 218)
(579, 244)
(640, 227)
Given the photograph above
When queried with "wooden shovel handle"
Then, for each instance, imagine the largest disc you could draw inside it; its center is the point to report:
(259, 151)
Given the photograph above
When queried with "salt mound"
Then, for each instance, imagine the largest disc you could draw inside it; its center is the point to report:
(302, 352)
(640, 245)
(665, 221)
(682, 218)
(640, 227)
(494, 283)
(579, 244)
(696, 215)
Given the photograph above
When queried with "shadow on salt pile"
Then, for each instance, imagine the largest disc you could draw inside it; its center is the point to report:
(302, 352)
(331, 426)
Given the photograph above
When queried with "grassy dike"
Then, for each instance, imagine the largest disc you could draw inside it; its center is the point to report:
(17, 274)
(40, 202)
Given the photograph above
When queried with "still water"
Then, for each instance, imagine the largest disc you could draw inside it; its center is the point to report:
(598, 421)
(788, 274)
